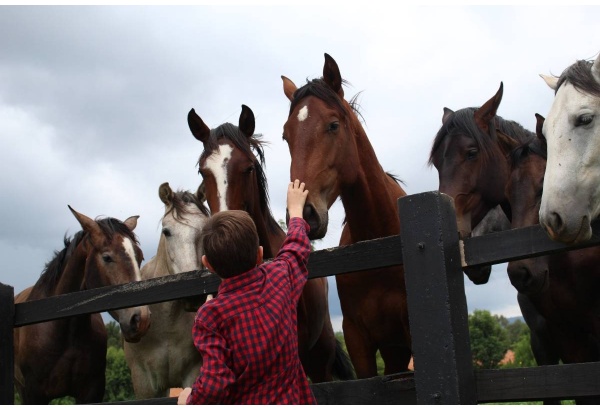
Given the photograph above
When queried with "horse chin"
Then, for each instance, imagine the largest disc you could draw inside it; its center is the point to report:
(539, 286)
(479, 276)
(193, 303)
(317, 232)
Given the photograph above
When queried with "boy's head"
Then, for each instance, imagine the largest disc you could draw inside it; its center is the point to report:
(230, 243)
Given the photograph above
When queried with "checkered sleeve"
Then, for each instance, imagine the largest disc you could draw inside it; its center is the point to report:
(215, 380)
(295, 250)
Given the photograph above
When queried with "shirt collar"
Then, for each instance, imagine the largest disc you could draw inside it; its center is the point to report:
(244, 279)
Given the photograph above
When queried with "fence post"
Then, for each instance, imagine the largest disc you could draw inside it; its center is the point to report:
(7, 358)
(437, 304)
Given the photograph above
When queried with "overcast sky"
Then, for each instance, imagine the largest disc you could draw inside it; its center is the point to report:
(93, 101)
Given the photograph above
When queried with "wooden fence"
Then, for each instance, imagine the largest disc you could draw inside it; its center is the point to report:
(433, 258)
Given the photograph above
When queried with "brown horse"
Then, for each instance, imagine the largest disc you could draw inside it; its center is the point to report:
(332, 154)
(562, 287)
(234, 178)
(67, 357)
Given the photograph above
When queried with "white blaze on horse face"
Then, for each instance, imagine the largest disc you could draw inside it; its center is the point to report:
(572, 179)
(128, 245)
(303, 113)
(217, 164)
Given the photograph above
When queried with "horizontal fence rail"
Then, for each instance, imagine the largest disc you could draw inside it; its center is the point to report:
(514, 244)
(321, 263)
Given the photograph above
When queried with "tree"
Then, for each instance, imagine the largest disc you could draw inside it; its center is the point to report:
(523, 353)
(489, 340)
(114, 335)
(516, 330)
(118, 377)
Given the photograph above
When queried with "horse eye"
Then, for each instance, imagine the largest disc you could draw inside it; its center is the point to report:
(106, 258)
(249, 169)
(166, 232)
(333, 126)
(472, 153)
(283, 137)
(584, 119)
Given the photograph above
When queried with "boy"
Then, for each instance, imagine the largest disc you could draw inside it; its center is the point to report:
(248, 335)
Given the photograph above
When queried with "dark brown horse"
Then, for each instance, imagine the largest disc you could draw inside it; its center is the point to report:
(67, 357)
(332, 154)
(563, 287)
(472, 153)
(234, 178)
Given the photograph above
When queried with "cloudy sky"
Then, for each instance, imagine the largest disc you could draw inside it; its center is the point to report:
(93, 101)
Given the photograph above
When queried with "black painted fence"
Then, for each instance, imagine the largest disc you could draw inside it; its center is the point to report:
(433, 258)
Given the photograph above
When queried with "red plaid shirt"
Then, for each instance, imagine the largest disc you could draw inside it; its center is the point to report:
(248, 334)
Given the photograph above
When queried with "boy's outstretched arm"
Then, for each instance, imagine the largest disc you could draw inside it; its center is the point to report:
(296, 198)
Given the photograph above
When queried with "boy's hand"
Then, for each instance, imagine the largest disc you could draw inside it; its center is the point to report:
(296, 198)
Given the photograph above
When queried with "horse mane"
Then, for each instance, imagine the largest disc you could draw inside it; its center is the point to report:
(178, 205)
(249, 146)
(463, 121)
(55, 267)
(580, 75)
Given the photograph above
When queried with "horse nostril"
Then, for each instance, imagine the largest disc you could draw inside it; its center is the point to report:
(135, 322)
(308, 212)
(556, 221)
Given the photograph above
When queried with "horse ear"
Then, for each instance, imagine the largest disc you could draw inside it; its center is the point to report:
(486, 113)
(332, 76)
(131, 222)
(199, 130)
(447, 113)
(596, 69)
(165, 193)
(90, 226)
(550, 80)
(289, 88)
(201, 192)
(539, 125)
(246, 123)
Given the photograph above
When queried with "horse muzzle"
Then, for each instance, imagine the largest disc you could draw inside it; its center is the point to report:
(135, 325)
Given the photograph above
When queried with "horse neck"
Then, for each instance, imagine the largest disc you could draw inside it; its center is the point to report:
(72, 277)
(158, 265)
(370, 201)
(269, 240)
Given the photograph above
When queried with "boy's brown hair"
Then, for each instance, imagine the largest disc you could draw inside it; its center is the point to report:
(230, 243)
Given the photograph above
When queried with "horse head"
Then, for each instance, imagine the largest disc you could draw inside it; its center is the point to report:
(322, 132)
(114, 258)
(230, 170)
(571, 196)
(469, 153)
(182, 224)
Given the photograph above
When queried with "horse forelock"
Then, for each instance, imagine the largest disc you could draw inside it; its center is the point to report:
(463, 122)
(579, 74)
(319, 89)
(232, 133)
(179, 202)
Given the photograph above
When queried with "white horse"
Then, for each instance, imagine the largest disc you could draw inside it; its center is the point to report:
(166, 356)
(571, 193)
